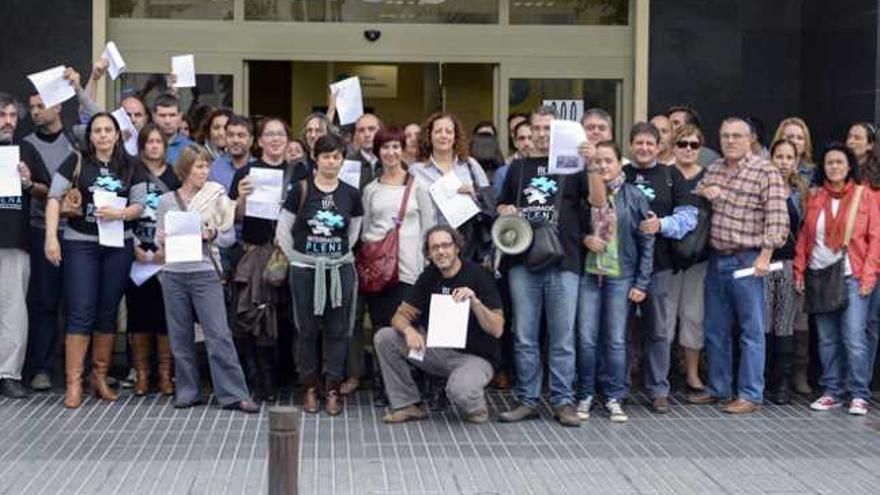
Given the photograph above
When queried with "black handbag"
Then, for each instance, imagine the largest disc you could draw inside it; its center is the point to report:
(477, 231)
(825, 289)
(691, 249)
(546, 249)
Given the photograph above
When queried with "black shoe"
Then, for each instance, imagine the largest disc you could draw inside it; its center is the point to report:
(13, 389)
(244, 406)
(198, 401)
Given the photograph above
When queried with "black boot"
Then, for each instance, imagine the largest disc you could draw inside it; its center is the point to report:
(783, 357)
(379, 397)
(265, 373)
(246, 350)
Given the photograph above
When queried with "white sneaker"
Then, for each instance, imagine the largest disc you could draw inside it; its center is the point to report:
(858, 407)
(615, 410)
(584, 406)
(825, 403)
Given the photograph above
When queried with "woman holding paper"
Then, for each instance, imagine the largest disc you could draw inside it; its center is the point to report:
(319, 224)
(784, 309)
(196, 284)
(259, 188)
(618, 270)
(444, 150)
(145, 309)
(840, 238)
(95, 274)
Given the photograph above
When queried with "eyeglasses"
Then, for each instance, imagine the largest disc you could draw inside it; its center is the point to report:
(694, 145)
(440, 245)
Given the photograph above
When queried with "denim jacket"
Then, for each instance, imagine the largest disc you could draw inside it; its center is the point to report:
(636, 249)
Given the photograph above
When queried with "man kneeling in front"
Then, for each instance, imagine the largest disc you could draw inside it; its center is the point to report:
(402, 345)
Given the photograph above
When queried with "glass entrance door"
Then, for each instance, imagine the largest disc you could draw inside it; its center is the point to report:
(400, 93)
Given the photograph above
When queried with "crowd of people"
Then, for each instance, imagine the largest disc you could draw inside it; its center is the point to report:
(661, 241)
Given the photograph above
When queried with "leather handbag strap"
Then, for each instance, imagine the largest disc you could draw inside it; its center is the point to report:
(851, 217)
(401, 212)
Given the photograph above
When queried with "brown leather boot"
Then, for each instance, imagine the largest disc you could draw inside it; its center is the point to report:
(310, 393)
(102, 354)
(166, 365)
(141, 344)
(75, 349)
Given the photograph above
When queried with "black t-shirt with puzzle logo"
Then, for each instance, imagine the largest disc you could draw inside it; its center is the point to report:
(321, 229)
(474, 277)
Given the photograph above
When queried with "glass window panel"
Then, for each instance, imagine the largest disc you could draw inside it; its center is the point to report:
(214, 90)
(384, 11)
(527, 94)
(172, 9)
(570, 12)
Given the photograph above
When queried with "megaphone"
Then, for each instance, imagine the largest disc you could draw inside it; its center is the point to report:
(511, 235)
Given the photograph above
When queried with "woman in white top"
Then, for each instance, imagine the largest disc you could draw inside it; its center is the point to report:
(382, 199)
(444, 149)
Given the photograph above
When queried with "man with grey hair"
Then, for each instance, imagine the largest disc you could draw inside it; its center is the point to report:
(14, 244)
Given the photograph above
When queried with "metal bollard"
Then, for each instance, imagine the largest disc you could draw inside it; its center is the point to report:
(283, 450)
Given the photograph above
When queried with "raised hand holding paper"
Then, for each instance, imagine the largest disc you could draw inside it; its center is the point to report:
(10, 176)
(565, 137)
(52, 86)
(115, 63)
(184, 67)
(457, 208)
(349, 99)
(265, 201)
(448, 322)
(351, 173)
(183, 236)
(111, 233)
(125, 124)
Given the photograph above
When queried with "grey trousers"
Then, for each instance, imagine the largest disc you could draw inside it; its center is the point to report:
(658, 335)
(467, 375)
(686, 301)
(201, 290)
(15, 272)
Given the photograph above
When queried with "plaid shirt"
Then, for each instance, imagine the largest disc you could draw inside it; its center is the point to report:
(751, 212)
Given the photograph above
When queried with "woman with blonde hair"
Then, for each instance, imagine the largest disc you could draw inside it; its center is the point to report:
(794, 129)
(197, 285)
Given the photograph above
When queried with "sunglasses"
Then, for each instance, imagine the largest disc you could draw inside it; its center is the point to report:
(694, 145)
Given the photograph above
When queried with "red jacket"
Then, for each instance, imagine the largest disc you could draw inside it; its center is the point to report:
(864, 247)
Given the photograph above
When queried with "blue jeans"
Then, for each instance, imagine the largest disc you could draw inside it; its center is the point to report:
(729, 300)
(843, 346)
(44, 300)
(556, 291)
(95, 278)
(873, 332)
(603, 309)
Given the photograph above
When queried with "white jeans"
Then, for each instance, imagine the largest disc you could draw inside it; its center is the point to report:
(15, 272)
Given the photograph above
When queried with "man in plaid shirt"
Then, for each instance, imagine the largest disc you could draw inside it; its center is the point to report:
(749, 221)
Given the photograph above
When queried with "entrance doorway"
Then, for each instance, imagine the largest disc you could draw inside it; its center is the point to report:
(400, 93)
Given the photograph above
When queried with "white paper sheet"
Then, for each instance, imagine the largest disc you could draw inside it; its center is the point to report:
(115, 63)
(750, 271)
(184, 67)
(448, 322)
(351, 173)
(265, 201)
(110, 232)
(183, 236)
(10, 176)
(457, 208)
(416, 355)
(349, 99)
(141, 272)
(52, 86)
(565, 137)
(125, 123)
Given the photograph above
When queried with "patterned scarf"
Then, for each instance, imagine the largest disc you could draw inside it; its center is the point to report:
(835, 225)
